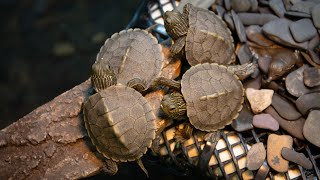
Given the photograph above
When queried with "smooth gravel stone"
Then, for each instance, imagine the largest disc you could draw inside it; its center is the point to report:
(229, 21)
(295, 85)
(296, 14)
(307, 102)
(254, 34)
(254, 5)
(314, 42)
(287, 4)
(239, 27)
(278, 31)
(311, 76)
(312, 127)
(220, 11)
(262, 172)
(255, 18)
(240, 5)
(278, 7)
(264, 63)
(254, 83)
(302, 30)
(259, 99)
(315, 13)
(265, 121)
(303, 6)
(274, 146)
(315, 58)
(294, 128)
(256, 156)
(244, 121)
(243, 53)
(285, 108)
(227, 4)
(298, 158)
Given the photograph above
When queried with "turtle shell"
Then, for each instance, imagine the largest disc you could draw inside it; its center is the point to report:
(213, 95)
(132, 53)
(120, 123)
(208, 38)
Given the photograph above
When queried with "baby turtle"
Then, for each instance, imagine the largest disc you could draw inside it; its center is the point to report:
(199, 35)
(119, 120)
(211, 95)
(132, 54)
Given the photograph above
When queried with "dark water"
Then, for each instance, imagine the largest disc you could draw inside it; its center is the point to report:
(33, 71)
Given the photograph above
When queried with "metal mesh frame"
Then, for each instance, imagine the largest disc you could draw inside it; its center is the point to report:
(179, 157)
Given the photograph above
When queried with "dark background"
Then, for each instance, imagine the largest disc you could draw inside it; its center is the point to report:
(48, 47)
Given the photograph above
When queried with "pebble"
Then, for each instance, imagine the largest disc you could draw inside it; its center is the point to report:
(302, 30)
(254, 83)
(229, 21)
(264, 63)
(255, 18)
(303, 6)
(278, 7)
(294, 128)
(298, 158)
(307, 102)
(311, 76)
(220, 11)
(311, 128)
(243, 53)
(259, 99)
(265, 121)
(295, 85)
(240, 5)
(296, 14)
(283, 61)
(278, 31)
(274, 146)
(239, 27)
(254, 34)
(285, 108)
(263, 171)
(316, 15)
(256, 156)
(254, 5)
(244, 121)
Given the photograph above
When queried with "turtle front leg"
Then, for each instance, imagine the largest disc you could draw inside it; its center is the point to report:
(243, 71)
(177, 48)
(162, 81)
(184, 133)
(138, 85)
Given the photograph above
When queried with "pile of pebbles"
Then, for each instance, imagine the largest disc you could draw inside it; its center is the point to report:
(282, 97)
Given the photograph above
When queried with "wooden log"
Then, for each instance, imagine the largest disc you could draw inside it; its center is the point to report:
(50, 142)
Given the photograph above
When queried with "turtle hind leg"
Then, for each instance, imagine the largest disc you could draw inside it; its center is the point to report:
(139, 161)
(110, 167)
(177, 48)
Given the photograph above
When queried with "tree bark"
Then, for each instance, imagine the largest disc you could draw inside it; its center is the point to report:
(50, 142)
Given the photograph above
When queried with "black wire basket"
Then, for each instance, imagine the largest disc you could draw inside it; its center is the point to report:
(227, 159)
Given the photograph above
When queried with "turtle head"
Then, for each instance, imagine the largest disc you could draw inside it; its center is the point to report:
(102, 76)
(276, 70)
(173, 105)
(176, 24)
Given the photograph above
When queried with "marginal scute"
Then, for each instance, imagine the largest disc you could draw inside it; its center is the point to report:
(125, 132)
